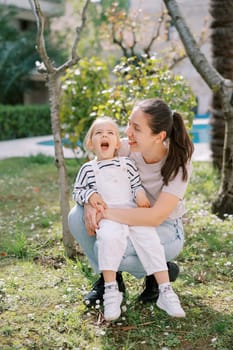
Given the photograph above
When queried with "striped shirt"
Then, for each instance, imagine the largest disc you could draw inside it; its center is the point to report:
(85, 183)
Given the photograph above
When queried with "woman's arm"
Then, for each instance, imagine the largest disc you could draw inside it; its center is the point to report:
(154, 216)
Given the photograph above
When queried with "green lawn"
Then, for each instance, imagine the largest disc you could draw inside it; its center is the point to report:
(41, 291)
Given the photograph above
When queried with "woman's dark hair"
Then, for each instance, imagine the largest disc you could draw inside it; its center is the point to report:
(180, 145)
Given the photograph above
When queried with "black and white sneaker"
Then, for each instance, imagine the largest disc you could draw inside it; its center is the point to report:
(95, 296)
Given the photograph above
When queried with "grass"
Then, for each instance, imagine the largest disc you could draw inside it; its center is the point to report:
(41, 291)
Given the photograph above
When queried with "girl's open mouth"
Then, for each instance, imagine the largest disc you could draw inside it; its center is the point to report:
(104, 145)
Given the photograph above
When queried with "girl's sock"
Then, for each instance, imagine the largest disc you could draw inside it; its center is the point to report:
(111, 285)
(164, 286)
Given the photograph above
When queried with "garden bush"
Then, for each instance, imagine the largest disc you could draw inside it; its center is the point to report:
(24, 121)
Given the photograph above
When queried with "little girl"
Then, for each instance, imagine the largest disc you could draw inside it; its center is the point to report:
(113, 182)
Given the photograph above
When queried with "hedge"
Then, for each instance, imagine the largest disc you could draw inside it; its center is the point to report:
(24, 121)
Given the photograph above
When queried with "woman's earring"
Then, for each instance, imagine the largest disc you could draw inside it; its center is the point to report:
(166, 143)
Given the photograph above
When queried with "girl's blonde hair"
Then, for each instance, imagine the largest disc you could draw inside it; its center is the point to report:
(97, 121)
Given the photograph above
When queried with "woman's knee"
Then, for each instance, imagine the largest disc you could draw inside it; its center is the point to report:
(173, 249)
(75, 218)
(171, 237)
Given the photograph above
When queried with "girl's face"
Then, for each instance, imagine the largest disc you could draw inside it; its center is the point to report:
(139, 133)
(104, 140)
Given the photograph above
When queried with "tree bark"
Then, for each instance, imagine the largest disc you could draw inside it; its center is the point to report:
(54, 94)
(223, 205)
(222, 58)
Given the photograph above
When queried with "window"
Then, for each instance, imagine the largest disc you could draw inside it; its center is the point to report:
(25, 25)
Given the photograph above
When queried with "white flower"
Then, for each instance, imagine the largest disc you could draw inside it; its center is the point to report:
(124, 308)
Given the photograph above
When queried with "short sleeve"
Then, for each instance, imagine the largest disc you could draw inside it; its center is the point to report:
(178, 186)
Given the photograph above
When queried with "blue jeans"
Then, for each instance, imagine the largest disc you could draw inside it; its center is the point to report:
(170, 232)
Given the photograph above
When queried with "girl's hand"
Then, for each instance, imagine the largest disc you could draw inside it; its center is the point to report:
(142, 200)
(97, 202)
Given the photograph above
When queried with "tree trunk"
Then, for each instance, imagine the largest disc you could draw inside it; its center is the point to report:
(222, 58)
(54, 94)
(223, 205)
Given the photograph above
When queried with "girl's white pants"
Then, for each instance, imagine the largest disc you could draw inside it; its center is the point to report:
(112, 240)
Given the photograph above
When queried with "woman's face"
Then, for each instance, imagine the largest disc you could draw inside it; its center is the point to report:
(139, 133)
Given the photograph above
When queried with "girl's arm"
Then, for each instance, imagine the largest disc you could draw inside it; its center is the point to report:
(154, 216)
(84, 185)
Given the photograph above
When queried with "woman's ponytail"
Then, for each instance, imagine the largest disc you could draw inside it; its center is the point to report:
(180, 150)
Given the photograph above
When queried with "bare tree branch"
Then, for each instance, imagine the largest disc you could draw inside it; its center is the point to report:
(198, 59)
(154, 37)
(119, 42)
(40, 35)
(180, 57)
(127, 25)
(40, 38)
(134, 39)
(74, 57)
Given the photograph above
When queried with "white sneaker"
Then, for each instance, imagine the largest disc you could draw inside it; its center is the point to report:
(169, 302)
(112, 304)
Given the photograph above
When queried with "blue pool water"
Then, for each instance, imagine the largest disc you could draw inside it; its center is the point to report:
(201, 133)
(50, 142)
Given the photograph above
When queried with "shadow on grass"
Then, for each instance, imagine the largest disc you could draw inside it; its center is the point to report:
(145, 327)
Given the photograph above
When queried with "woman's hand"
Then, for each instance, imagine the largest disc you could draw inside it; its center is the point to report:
(92, 218)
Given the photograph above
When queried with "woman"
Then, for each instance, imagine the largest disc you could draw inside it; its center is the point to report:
(159, 144)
